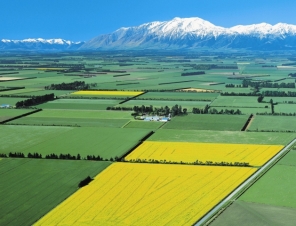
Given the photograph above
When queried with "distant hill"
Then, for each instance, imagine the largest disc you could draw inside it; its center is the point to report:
(39, 44)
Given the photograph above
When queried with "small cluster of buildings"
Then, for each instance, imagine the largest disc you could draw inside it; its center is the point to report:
(155, 118)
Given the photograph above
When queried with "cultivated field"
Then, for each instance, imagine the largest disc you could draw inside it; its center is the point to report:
(269, 123)
(85, 141)
(208, 122)
(204, 100)
(30, 188)
(255, 155)
(144, 194)
(232, 137)
(84, 118)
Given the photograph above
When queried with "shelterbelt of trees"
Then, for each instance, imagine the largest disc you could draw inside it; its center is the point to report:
(76, 85)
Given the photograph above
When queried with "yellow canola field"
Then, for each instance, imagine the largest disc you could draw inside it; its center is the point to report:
(255, 155)
(113, 93)
(148, 194)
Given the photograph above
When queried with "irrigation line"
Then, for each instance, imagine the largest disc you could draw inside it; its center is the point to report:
(245, 184)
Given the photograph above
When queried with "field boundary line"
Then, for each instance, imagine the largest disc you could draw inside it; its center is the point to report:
(247, 124)
(131, 98)
(126, 124)
(137, 145)
(245, 185)
(20, 116)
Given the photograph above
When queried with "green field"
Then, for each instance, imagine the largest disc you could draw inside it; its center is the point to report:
(85, 118)
(82, 104)
(273, 123)
(179, 95)
(276, 187)
(207, 122)
(81, 124)
(30, 188)
(10, 100)
(144, 125)
(245, 214)
(161, 103)
(73, 140)
(11, 113)
(238, 101)
(232, 137)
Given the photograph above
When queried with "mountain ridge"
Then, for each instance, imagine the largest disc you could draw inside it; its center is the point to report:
(39, 44)
(191, 33)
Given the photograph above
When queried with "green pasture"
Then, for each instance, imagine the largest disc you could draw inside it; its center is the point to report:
(79, 104)
(85, 118)
(106, 142)
(11, 113)
(162, 103)
(10, 100)
(237, 101)
(245, 214)
(179, 95)
(144, 125)
(273, 123)
(207, 122)
(20, 91)
(276, 187)
(30, 188)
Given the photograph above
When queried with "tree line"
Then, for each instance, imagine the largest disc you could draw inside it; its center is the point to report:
(197, 162)
(35, 100)
(193, 73)
(215, 111)
(267, 93)
(76, 85)
(260, 84)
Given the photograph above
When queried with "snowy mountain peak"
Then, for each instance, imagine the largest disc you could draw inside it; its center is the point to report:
(39, 44)
(193, 33)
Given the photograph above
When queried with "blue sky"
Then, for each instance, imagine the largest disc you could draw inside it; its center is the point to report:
(84, 19)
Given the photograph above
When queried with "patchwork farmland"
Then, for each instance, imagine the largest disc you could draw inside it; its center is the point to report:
(146, 138)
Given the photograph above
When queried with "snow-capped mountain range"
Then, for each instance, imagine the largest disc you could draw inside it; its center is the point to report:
(193, 33)
(39, 44)
(179, 33)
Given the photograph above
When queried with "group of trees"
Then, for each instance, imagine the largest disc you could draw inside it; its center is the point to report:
(16, 155)
(267, 93)
(34, 100)
(215, 111)
(261, 84)
(119, 108)
(63, 156)
(213, 66)
(277, 113)
(34, 155)
(85, 182)
(173, 111)
(193, 73)
(77, 85)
